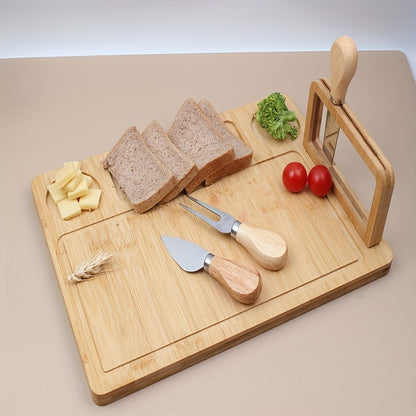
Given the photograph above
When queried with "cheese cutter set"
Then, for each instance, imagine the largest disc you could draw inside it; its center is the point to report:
(242, 281)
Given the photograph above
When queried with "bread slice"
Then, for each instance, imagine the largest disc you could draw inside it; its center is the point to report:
(193, 134)
(182, 167)
(139, 174)
(243, 154)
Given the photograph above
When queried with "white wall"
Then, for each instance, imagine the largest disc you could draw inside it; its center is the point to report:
(91, 27)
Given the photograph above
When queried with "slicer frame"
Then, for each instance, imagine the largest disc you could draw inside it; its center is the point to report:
(370, 225)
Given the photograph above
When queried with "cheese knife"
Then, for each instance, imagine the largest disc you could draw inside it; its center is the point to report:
(241, 281)
(343, 64)
(266, 247)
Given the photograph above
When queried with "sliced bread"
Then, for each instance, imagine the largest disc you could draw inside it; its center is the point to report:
(243, 154)
(193, 134)
(182, 167)
(138, 173)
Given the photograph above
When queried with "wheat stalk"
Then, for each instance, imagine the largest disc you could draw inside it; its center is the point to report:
(91, 267)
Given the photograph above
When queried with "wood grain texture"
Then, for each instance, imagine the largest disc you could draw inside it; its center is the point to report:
(145, 318)
(343, 63)
(267, 247)
(241, 280)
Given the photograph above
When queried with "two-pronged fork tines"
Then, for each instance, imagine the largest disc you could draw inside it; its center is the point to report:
(225, 222)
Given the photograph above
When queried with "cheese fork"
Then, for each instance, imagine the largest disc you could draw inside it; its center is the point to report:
(266, 247)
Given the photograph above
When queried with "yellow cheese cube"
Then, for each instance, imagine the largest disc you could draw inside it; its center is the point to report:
(73, 183)
(56, 192)
(89, 180)
(80, 190)
(91, 200)
(75, 164)
(65, 174)
(69, 208)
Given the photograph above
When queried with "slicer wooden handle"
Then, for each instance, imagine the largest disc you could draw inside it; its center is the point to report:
(267, 247)
(343, 62)
(241, 281)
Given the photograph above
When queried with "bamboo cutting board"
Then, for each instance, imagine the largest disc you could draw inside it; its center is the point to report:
(144, 318)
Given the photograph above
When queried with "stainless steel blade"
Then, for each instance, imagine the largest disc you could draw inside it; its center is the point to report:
(331, 132)
(189, 256)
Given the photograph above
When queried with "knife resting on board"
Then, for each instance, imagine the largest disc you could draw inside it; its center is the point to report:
(241, 281)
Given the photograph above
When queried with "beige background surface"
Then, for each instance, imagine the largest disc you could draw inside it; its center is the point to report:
(354, 355)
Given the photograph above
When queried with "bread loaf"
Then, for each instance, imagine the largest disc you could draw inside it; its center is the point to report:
(140, 175)
(155, 166)
(182, 167)
(243, 154)
(193, 134)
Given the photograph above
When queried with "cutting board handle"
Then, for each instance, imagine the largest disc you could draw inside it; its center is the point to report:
(370, 225)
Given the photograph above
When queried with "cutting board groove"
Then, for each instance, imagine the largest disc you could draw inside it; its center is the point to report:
(144, 318)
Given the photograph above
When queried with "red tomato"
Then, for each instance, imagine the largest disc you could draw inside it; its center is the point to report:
(294, 177)
(320, 180)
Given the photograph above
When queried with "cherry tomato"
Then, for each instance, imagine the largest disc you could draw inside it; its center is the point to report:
(320, 180)
(294, 177)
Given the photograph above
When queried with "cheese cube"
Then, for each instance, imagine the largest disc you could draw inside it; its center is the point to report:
(91, 200)
(56, 192)
(73, 183)
(75, 164)
(65, 174)
(80, 190)
(88, 179)
(69, 208)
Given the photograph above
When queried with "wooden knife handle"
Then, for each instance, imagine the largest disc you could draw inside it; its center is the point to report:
(242, 281)
(343, 62)
(267, 247)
